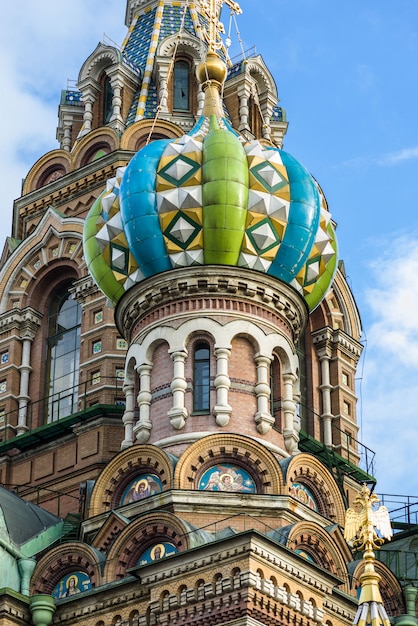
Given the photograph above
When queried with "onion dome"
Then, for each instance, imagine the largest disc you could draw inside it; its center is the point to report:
(211, 198)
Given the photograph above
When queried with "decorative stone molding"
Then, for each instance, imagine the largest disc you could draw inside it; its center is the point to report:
(90, 177)
(123, 468)
(327, 341)
(230, 596)
(222, 410)
(142, 428)
(218, 448)
(133, 540)
(263, 417)
(26, 320)
(308, 470)
(178, 413)
(83, 289)
(247, 287)
(63, 559)
(184, 43)
(102, 56)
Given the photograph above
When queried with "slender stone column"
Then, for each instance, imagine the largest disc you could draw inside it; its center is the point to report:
(23, 398)
(323, 342)
(178, 414)
(244, 95)
(200, 100)
(326, 389)
(116, 120)
(263, 417)
(66, 140)
(88, 99)
(222, 410)
(290, 433)
(163, 93)
(143, 427)
(266, 127)
(128, 416)
(29, 326)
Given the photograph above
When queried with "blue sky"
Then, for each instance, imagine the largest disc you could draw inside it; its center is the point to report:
(346, 75)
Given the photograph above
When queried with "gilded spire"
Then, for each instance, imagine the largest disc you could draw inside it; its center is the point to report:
(212, 10)
(211, 73)
(368, 527)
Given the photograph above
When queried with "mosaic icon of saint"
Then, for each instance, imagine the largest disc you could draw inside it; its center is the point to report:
(142, 488)
(226, 479)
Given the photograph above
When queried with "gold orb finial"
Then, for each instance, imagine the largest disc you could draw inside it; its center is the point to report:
(212, 70)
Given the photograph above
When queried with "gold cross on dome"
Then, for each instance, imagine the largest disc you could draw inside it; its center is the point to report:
(212, 10)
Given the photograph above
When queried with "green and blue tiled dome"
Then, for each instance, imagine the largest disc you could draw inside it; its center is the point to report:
(211, 198)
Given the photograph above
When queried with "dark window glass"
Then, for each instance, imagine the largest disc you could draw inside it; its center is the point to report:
(201, 378)
(275, 392)
(181, 86)
(107, 102)
(63, 356)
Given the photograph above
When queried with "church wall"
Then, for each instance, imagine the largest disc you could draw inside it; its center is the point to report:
(313, 398)
(242, 371)
(256, 577)
(42, 473)
(232, 104)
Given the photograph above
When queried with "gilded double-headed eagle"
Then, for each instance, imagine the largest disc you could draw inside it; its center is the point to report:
(365, 526)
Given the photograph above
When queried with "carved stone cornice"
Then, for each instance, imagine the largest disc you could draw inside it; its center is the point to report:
(327, 341)
(83, 288)
(208, 283)
(73, 184)
(322, 340)
(27, 321)
(347, 344)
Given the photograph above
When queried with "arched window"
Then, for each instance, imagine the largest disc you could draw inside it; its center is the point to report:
(107, 101)
(306, 415)
(255, 117)
(181, 86)
(276, 392)
(63, 355)
(201, 377)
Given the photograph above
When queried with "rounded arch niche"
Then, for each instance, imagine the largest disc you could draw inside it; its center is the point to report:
(129, 470)
(315, 544)
(67, 569)
(390, 588)
(310, 477)
(232, 452)
(149, 538)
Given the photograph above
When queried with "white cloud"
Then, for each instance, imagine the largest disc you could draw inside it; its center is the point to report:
(393, 158)
(39, 51)
(390, 383)
(389, 159)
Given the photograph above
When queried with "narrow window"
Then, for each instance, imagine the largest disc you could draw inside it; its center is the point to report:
(181, 86)
(63, 355)
(276, 392)
(107, 101)
(201, 377)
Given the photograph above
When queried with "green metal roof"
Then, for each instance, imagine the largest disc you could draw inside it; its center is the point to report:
(51, 431)
(333, 460)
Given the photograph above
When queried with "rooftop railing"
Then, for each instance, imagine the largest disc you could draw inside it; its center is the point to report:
(60, 411)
